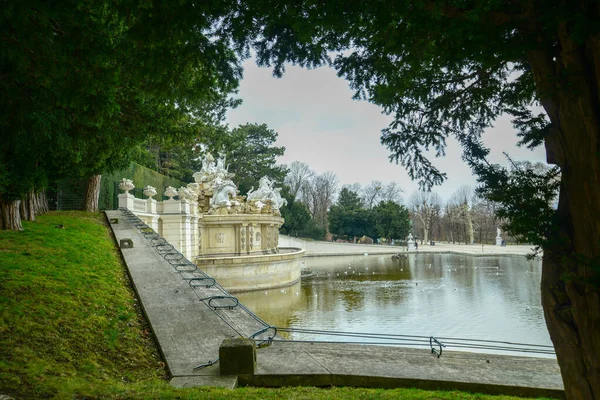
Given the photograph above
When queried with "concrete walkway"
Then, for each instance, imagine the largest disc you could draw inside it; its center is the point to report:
(319, 364)
(315, 248)
(189, 334)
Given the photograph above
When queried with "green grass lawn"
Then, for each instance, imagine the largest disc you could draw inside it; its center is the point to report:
(70, 325)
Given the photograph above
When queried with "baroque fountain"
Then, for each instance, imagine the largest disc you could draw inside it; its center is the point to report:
(232, 238)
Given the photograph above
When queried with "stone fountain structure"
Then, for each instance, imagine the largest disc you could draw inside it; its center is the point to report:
(233, 238)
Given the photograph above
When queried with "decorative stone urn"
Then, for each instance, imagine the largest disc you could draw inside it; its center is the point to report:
(186, 194)
(170, 192)
(150, 191)
(126, 185)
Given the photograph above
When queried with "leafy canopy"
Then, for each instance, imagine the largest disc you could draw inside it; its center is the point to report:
(85, 82)
(251, 154)
(440, 69)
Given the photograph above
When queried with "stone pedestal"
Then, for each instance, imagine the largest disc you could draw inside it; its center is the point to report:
(126, 200)
(237, 356)
(151, 206)
(411, 243)
(499, 241)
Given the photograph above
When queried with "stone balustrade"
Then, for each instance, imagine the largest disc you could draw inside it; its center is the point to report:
(200, 234)
(175, 220)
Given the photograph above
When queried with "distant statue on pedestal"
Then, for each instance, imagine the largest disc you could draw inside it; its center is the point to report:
(498, 237)
(410, 242)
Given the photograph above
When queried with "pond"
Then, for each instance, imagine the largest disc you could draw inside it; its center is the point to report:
(442, 295)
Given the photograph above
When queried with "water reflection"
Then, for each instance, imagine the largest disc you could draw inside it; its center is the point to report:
(496, 298)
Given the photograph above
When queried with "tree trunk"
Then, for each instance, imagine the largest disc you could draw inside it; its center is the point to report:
(571, 302)
(24, 210)
(27, 207)
(570, 94)
(10, 215)
(41, 203)
(92, 192)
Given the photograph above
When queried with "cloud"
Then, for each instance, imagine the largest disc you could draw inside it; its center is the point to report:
(319, 123)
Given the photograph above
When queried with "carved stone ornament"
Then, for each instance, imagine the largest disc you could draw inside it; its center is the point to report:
(185, 194)
(220, 237)
(194, 188)
(170, 192)
(126, 185)
(150, 191)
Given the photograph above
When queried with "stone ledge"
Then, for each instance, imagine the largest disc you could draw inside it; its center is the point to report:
(223, 381)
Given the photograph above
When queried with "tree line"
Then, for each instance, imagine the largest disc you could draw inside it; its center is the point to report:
(378, 210)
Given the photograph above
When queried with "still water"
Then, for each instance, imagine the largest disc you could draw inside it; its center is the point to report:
(493, 298)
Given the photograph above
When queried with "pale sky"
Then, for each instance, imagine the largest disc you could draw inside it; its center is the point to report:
(319, 124)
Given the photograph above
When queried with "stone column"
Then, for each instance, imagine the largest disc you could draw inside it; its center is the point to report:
(243, 239)
(250, 237)
(272, 238)
(186, 231)
(194, 231)
(171, 219)
(201, 235)
(264, 236)
(153, 217)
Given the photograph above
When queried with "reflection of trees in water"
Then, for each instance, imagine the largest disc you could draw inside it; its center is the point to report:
(483, 297)
(352, 300)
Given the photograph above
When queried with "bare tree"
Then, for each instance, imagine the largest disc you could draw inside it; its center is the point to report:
(355, 187)
(464, 199)
(484, 217)
(371, 194)
(426, 207)
(298, 176)
(392, 192)
(319, 196)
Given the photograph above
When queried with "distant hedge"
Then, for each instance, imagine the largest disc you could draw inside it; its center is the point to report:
(68, 194)
(141, 177)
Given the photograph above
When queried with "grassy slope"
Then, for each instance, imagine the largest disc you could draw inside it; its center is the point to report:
(70, 326)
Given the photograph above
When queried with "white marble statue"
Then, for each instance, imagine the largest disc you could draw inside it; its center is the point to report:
(278, 201)
(221, 163)
(265, 192)
(208, 163)
(498, 237)
(410, 242)
(223, 191)
(211, 170)
(265, 187)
